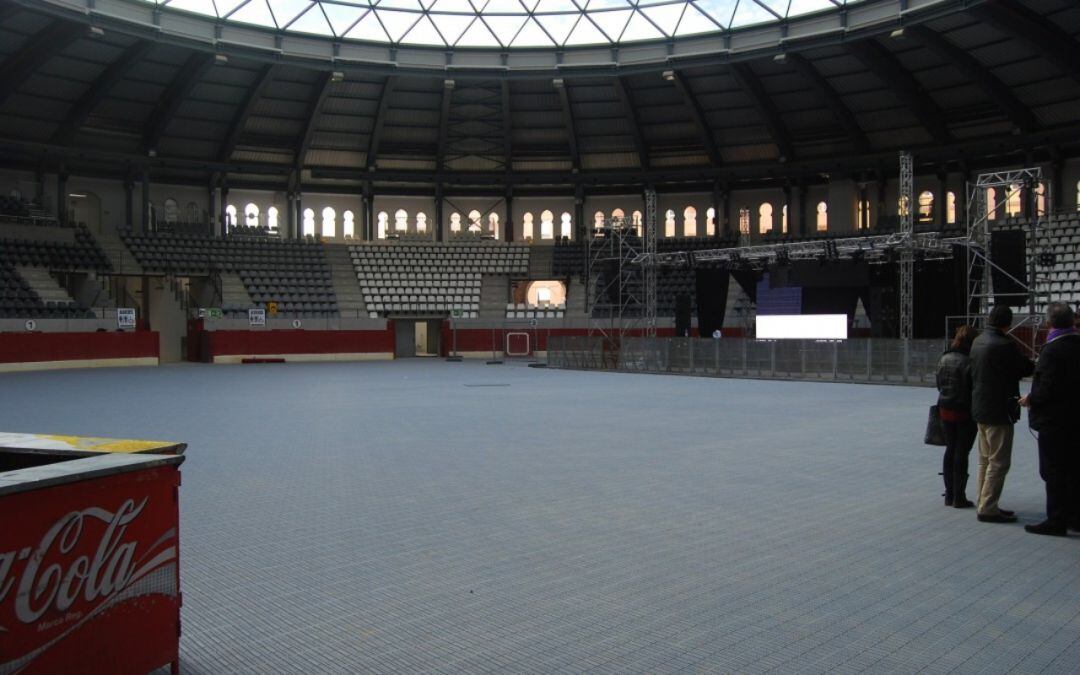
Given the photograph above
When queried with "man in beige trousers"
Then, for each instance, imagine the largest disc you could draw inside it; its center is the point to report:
(997, 366)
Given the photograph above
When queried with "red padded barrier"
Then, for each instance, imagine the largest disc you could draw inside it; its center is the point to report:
(240, 342)
(37, 347)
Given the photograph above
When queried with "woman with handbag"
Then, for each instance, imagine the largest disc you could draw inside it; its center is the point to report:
(954, 406)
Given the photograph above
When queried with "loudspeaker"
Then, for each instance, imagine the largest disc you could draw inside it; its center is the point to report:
(712, 291)
(682, 315)
(1008, 250)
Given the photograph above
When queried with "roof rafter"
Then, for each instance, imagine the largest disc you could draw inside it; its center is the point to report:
(49, 41)
(1003, 96)
(239, 120)
(751, 85)
(444, 121)
(844, 117)
(708, 141)
(623, 93)
(904, 85)
(568, 122)
(81, 110)
(1049, 40)
(380, 122)
(169, 103)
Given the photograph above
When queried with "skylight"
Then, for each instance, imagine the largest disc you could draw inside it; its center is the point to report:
(503, 23)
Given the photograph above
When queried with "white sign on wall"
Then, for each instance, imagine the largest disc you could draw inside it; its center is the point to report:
(125, 317)
(31, 324)
(802, 327)
(257, 317)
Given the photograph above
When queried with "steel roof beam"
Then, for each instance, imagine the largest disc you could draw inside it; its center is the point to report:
(508, 127)
(189, 75)
(239, 120)
(315, 105)
(43, 45)
(380, 122)
(444, 123)
(844, 117)
(623, 94)
(568, 122)
(81, 110)
(708, 141)
(904, 85)
(751, 85)
(1002, 96)
(1010, 17)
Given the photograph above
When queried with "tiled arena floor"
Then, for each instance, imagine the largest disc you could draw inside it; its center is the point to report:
(399, 517)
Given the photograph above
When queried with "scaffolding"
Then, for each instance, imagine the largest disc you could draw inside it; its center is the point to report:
(1009, 186)
(907, 253)
(615, 299)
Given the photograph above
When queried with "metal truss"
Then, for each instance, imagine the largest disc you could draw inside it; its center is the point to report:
(650, 270)
(907, 253)
(615, 295)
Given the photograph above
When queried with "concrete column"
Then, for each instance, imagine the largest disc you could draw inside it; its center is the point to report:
(508, 226)
(224, 205)
(129, 198)
(579, 214)
(290, 215)
(941, 202)
(298, 200)
(145, 199)
(879, 212)
(211, 202)
(61, 195)
(778, 218)
(719, 216)
(440, 212)
(800, 198)
(725, 210)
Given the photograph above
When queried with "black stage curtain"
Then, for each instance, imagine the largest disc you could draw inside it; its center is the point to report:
(748, 281)
(712, 293)
(822, 300)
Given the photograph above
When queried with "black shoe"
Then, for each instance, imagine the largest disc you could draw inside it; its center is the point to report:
(948, 501)
(1047, 527)
(1075, 527)
(962, 503)
(996, 518)
(1006, 512)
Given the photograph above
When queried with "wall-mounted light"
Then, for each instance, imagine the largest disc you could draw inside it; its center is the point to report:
(95, 32)
(669, 75)
(897, 34)
(337, 76)
(76, 195)
(221, 59)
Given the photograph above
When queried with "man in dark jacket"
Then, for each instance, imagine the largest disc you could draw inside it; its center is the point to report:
(1053, 405)
(997, 366)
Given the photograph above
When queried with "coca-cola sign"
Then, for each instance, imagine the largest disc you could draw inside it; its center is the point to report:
(84, 568)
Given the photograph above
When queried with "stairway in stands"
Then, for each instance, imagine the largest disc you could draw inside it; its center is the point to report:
(541, 262)
(46, 287)
(123, 261)
(350, 298)
(494, 294)
(234, 295)
(575, 297)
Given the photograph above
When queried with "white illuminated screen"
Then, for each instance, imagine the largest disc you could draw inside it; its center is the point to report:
(802, 327)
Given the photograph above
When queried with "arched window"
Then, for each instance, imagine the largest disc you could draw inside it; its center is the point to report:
(565, 229)
(783, 219)
(230, 216)
(926, 207)
(618, 215)
(547, 226)
(401, 220)
(950, 208)
(598, 220)
(455, 222)
(765, 218)
(309, 222)
(383, 223)
(527, 226)
(251, 215)
(689, 222)
(863, 222)
(1012, 207)
(822, 217)
(744, 220)
(474, 221)
(329, 221)
(710, 222)
(348, 225)
(991, 204)
(493, 224)
(669, 223)
(421, 222)
(172, 210)
(271, 218)
(1040, 199)
(1078, 195)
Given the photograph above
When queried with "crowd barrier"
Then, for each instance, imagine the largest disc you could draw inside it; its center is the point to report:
(888, 361)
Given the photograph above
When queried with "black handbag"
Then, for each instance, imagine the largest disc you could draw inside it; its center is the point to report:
(935, 432)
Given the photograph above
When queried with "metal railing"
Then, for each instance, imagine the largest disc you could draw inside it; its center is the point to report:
(878, 360)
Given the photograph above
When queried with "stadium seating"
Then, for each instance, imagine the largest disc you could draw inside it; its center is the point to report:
(523, 310)
(18, 300)
(424, 278)
(293, 274)
(83, 254)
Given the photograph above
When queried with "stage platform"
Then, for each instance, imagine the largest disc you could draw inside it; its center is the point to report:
(424, 516)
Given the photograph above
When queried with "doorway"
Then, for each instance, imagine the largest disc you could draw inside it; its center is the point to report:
(85, 207)
(416, 337)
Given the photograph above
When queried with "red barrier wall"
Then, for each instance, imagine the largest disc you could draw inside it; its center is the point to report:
(481, 339)
(38, 347)
(242, 342)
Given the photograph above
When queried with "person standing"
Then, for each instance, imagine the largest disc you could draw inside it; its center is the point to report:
(1052, 405)
(997, 366)
(954, 405)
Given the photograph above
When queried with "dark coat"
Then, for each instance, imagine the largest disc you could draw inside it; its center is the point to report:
(997, 366)
(954, 380)
(1055, 389)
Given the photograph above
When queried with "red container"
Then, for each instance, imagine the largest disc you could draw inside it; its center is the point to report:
(89, 555)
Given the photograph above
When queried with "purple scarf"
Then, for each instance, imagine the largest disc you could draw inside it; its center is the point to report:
(1058, 332)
